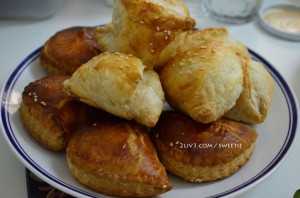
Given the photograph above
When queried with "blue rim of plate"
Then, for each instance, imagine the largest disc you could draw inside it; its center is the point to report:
(33, 166)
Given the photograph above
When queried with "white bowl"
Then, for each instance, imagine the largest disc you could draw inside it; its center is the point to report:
(269, 28)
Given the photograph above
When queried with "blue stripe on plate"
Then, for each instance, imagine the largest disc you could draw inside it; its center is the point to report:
(288, 94)
(293, 124)
(9, 131)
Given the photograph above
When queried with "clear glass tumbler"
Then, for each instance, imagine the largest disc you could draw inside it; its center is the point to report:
(231, 11)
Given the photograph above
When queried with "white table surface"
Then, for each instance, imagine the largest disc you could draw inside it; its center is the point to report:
(19, 37)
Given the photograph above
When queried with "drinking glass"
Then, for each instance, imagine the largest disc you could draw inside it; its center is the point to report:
(231, 11)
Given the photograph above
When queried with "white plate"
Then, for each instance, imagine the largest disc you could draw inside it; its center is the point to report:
(276, 138)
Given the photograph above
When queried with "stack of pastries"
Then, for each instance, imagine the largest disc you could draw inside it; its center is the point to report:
(105, 97)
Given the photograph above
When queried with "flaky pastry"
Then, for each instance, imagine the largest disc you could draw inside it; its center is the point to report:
(202, 152)
(204, 82)
(68, 49)
(184, 41)
(117, 158)
(255, 100)
(144, 28)
(118, 83)
(49, 115)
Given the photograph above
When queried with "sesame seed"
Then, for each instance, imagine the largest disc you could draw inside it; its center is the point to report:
(29, 93)
(124, 146)
(152, 51)
(203, 47)
(43, 103)
(151, 44)
(142, 22)
(156, 135)
(35, 99)
(95, 124)
(164, 186)
(169, 32)
(158, 28)
(126, 107)
(171, 144)
(166, 37)
(177, 142)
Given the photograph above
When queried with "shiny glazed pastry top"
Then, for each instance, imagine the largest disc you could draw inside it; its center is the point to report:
(116, 157)
(145, 28)
(68, 49)
(49, 115)
(202, 152)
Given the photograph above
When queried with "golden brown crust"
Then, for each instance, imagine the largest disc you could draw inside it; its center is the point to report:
(188, 40)
(118, 83)
(255, 100)
(215, 150)
(204, 82)
(48, 114)
(194, 173)
(145, 28)
(116, 157)
(222, 35)
(68, 49)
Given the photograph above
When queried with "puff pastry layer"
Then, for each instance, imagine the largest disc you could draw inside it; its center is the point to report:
(202, 152)
(255, 100)
(145, 28)
(204, 82)
(117, 158)
(119, 84)
(68, 49)
(49, 115)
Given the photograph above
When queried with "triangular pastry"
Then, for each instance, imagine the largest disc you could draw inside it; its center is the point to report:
(202, 152)
(117, 158)
(145, 28)
(118, 83)
(204, 82)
